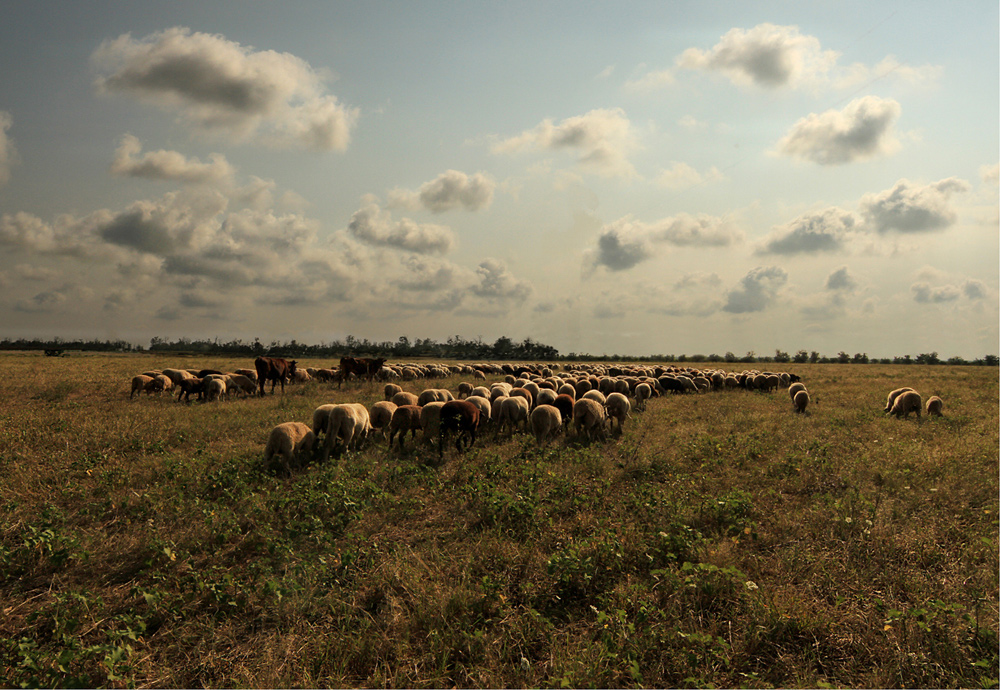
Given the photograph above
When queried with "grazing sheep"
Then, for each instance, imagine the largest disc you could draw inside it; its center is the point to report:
(588, 417)
(215, 389)
(596, 395)
(430, 395)
(546, 422)
(177, 375)
(618, 407)
(321, 419)
(892, 397)
(293, 441)
(249, 373)
(643, 392)
(485, 408)
(145, 383)
(523, 392)
(464, 390)
(380, 415)
(564, 403)
(462, 417)
(430, 419)
(795, 388)
(391, 389)
(239, 383)
(513, 411)
(546, 396)
(349, 423)
(934, 405)
(481, 391)
(905, 403)
(189, 386)
(404, 398)
(801, 400)
(405, 418)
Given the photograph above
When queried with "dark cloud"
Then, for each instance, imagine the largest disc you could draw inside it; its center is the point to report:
(863, 129)
(841, 281)
(756, 290)
(825, 231)
(926, 294)
(449, 190)
(913, 208)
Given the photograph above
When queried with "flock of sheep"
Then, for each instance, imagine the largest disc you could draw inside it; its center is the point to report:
(588, 401)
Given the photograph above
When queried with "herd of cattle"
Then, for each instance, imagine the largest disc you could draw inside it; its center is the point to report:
(585, 400)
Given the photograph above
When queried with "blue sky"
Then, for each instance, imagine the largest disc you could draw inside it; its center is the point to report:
(609, 178)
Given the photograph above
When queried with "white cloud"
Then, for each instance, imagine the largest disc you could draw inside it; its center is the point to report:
(767, 55)
(756, 291)
(858, 74)
(683, 176)
(168, 165)
(925, 293)
(651, 81)
(449, 190)
(8, 154)
(823, 231)
(603, 140)
(372, 225)
(220, 85)
(863, 129)
(496, 282)
(911, 208)
(627, 242)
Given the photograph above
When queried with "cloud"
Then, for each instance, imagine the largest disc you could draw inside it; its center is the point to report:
(756, 290)
(912, 208)
(683, 176)
(372, 225)
(175, 223)
(168, 165)
(858, 74)
(602, 138)
(825, 231)
(975, 289)
(863, 129)
(498, 283)
(651, 81)
(990, 174)
(449, 190)
(220, 85)
(767, 55)
(925, 293)
(841, 281)
(8, 154)
(627, 242)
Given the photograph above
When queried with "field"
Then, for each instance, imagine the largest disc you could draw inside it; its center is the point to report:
(722, 540)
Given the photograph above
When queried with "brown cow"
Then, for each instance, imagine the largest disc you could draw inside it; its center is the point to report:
(361, 367)
(274, 369)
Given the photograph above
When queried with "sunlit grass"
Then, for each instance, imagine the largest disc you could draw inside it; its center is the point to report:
(721, 540)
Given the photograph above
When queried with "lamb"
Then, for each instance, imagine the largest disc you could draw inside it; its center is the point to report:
(145, 383)
(934, 405)
(546, 422)
(618, 407)
(795, 388)
(892, 397)
(406, 418)
(801, 400)
(905, 403)
(513, 410)
(380, 415)
(588, 417)
(348, 422)
(293, 441)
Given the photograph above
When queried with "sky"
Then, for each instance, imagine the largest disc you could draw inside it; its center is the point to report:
(630, 178)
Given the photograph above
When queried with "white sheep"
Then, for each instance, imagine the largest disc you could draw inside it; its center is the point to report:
(293, 441)
(513, 411)
(546, 396)
(321, 419)
(404, 398)
(380, 415)
(143, 383)
(801, 400)
(891, 399)
(589, 417)
(390, 390)
(406, 418)
(617, 407)
(348, 422)
(905, 403)
(485, 408)
(215, 389)
(643, 392)
(239, 383)
(546, 422)
(795, 388)
(595, 395)
(430, 419)
(934, 405)
(430, 395)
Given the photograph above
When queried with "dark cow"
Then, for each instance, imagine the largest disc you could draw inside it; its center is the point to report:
(460, 416)
(360, 367)
(275, 370)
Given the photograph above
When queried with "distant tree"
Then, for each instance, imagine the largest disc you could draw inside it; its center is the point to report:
(714, 358)
(781, 357)
(730, 357)
(801, 357)
(956, 360)
(928, 358)
(813, 357)
(860, 358)
(843, 357)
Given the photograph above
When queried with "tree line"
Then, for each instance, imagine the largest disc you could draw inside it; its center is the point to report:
(455, 347)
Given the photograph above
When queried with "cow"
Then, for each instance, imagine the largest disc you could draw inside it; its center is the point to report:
(360, 367)
(275, 370)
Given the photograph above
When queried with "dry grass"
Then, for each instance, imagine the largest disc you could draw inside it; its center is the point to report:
(722, 540)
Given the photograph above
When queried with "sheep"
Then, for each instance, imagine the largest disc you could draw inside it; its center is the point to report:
(892, 397)
(905, 403)
(460, 416)
(430, 395)
(177, 375)
(390, 390)
(795, 388)
(643, 392)
(546, 422)
(546, 396)
(239, 383)
(380, 414)
(596, 395)
(485, 408)
(321, 419)
(145, 383)
(189, 386)
(564, 403)
(404, 398)
(588, 416)
(617, 407)
(215, 389)
(249, 373)
(481, 391)
(934, 405)
(430, 419)
(513, 410)
(801, 400)
(348, 422)
(293, 441)
(523, 392)
(464, 390)
(405, 418)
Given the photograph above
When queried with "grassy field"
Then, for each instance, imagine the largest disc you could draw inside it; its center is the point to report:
(721, 541)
